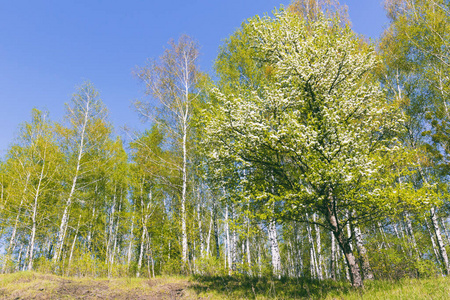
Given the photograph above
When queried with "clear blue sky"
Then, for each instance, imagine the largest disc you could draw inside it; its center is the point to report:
(47, 48)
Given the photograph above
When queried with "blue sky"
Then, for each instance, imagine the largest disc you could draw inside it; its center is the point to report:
(47, 48)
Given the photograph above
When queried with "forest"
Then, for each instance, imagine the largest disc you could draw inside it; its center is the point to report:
(310, 152)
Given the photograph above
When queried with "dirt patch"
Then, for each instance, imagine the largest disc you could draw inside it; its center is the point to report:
(170, 291)
(77, 290)
(44, 287)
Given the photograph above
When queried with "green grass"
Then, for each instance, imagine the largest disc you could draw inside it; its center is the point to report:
(432, 288)
(241, 287)
(32, 285)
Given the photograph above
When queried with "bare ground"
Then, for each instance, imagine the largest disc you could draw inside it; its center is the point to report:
(41, 286)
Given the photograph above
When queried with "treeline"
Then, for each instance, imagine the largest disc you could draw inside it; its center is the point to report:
(314, 154)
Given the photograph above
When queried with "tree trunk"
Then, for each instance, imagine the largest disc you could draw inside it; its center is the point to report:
(130, 245)
(247, 246)
(216, 233)
(65, 217)
(233, 242)
(445, 230)
(20, 257)
(259, 260)
(141, 251)
(442, 251)
(433, 243)
(184, 175)
(364, 259)
(228, 244)
(332, 259)
(208, 240)
(110, 228)
(275, 250)
(33, 228)
(319, 250)
(200, 231)
(312, 250)
(146, 215)
(73, 246)
(344, 244)
(113, 254)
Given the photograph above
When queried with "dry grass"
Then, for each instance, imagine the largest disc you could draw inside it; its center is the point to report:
(31, 285)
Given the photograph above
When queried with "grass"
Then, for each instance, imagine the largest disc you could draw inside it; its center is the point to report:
(243, 287)
(32, 285)
(431, 288)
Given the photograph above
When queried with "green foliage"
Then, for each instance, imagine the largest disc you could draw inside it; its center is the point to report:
(298, 130)
(393, 263)
(211, 266)
(7, 263)
(172, 267)
(296, 125)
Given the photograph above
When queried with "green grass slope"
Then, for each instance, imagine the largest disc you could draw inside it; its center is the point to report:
(32, 285)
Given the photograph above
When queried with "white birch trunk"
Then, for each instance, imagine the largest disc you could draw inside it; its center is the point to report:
(228, 244)
(184, 244)
(144, 229)
(110, 230)
(433, 243)
(73, 246)
(365, 266)
(444, 227)
(208, 240)
(130, 245)
(259, 260)
(247, 246)
(65, 217)
(442, 251)
(200, 231)
(216, 231)
(412, 238)
(332, 259)
(185, 116)
(113, 254)
(20, 257)
(150, 260)
(275, 250)
(89, 236)
(234, 250)
(233, 241)
(313, 266)
(33, 228)
(319, 249)
(141, 251)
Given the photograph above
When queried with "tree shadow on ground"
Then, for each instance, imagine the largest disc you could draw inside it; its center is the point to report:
(240, 286)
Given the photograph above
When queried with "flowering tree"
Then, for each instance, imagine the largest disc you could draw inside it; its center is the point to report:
(316, 135)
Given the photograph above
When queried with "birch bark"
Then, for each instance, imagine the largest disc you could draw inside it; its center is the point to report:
(33, 228)
(81, 112)
(275, 250)
(440, 242)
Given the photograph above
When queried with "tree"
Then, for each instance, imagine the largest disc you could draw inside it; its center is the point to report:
(33, 165)
(319, 130)
(85, 115)
(172, 81)
(415, 49)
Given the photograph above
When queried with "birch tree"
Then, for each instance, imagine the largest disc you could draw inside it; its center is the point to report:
(34, 164)
(416, 52)
(85, 111)
(172, 82)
